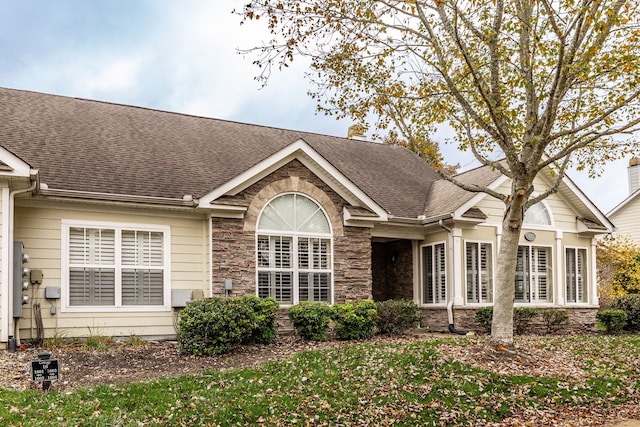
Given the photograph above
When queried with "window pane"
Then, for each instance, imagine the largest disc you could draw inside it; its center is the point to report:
(486, 272)
(434, 280)
(537, 214)
(303, 253)
(522, 275)
(540, 273)
(91, 286)
(282, 252)
(91, 246)
(309, 217)
(271, 220)
(428, 280)
(581, 268)
(142, 287)
(314, 287)
(575, 275)
(263, 251)
(142, 248)
(473, 281)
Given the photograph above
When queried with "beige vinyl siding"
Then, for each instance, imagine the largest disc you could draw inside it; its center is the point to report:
(627, 220)
(563, 217)
(481, 233)
(40, 227)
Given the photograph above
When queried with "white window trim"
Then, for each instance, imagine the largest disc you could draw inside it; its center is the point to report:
(118, 227)
(493, 273)
(295, 235)
(446, 276)
(552, 287)
(551, 226)
(587, 272)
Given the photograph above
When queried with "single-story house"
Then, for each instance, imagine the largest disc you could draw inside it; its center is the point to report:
(127, 213)
(626, 215)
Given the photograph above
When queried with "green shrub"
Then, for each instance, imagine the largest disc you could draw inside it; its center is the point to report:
(522, 317)
(630, 304)
(613, 320)
(264, 312)
(397, 316)
(555, 319)
(483, 318)
(355, 320)
(311, 319)
(214, 326)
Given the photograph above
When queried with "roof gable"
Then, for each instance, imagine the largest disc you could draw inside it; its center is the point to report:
(304, 153)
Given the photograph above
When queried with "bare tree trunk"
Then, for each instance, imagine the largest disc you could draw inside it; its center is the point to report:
(502, 323)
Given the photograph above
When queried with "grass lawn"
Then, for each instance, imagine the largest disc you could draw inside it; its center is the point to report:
(358, 384)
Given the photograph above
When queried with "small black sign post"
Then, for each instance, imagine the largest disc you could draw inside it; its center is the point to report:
(45, 370)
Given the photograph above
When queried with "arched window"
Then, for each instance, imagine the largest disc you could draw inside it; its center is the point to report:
(294, 261)
(537, 214)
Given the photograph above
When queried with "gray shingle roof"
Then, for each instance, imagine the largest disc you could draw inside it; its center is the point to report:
(92, 146)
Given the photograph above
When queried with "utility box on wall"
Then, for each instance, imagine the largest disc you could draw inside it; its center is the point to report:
(52, 292)
(180, 297)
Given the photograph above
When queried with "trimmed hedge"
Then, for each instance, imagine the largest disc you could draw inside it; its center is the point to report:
(630, 304)
(311, 319)
(397, 316)
(522, 317)
(613, 320)
(355, 320)
(213, 326)
(555, 319)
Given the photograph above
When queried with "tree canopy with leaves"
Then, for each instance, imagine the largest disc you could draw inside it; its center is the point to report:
(526, 85)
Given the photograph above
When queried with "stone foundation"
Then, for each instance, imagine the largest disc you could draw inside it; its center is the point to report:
(581, 320)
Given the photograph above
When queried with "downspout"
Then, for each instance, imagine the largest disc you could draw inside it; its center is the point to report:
(16, 320)
(452, 328)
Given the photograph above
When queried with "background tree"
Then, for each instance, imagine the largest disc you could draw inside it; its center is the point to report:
(541, 83)
(618, 268)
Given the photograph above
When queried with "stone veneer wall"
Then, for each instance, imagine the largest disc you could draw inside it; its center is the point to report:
(233, 240)
(436, 319)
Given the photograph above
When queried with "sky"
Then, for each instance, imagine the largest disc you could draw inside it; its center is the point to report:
(181, 56)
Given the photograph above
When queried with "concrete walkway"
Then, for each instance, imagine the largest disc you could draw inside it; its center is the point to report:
(627, 423)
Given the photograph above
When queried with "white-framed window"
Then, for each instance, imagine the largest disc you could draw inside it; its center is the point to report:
(434, 274)
(294, 251)
(576, 275)
(533, 281)
(115, 266)
(479, 272)
(538, 214)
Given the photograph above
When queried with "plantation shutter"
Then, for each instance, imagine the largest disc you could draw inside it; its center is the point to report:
(581, 275)
(142, 272)
(486, 273)
(434, 274)
(91, 266)
(570, 274)
(575, 275)
(540, 275)
(441, 273)
(522, 275)
(471, 253)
